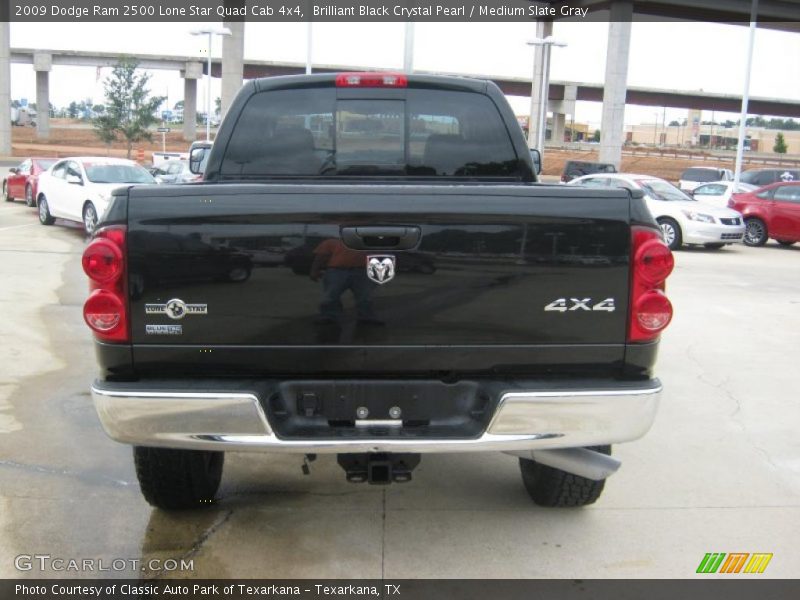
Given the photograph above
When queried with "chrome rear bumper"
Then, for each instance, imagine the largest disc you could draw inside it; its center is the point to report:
(563, 417)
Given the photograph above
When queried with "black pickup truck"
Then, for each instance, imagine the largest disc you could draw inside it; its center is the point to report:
(369, 269)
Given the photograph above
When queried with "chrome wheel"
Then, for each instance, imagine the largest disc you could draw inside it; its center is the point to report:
(89, 219)
(672, 232)
(755, 233)
(45, 218)
(669, 233)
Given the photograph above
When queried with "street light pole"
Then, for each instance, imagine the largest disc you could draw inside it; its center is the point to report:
(208, 91)
(408, 48)
(745, 96)
(309, 47)
(544, 87)
(655, 130)
(210, 32)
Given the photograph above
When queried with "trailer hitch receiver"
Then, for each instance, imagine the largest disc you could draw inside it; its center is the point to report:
(380, 468)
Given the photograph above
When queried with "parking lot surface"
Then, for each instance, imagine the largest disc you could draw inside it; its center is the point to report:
(719, 471)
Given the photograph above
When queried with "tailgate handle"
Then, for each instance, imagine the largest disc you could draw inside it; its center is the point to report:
(383, 238)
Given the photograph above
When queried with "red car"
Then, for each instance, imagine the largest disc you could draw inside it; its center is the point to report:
(23, 181)
(770, 212)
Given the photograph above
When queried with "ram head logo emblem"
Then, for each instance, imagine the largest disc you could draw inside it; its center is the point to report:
(380, 269)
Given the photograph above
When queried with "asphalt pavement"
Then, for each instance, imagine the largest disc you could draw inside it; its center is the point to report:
(719, 471)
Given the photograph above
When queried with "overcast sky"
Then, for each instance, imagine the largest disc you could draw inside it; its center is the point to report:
(680, 56)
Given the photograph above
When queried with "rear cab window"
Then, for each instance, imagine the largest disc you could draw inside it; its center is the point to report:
(698, 174)
(324, 132)
(712, 189)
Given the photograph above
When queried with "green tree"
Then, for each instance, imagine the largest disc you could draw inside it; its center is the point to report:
(596, 136)
(780, 144)
(178, 105)
(130, 111)
(72, 110)
(99, 109)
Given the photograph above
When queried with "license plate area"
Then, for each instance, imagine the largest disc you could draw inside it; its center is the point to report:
(333, 409)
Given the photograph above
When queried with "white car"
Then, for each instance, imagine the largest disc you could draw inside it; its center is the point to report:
(683, 219)
(719, 192)
(79, 189)
(695, 176)
(174, 171)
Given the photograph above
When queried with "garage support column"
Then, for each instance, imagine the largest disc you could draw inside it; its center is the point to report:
(559, 120)
(543, 30)
(191, 74)
(5, 90)
(42, 63)
(232, 64)
(616, 82)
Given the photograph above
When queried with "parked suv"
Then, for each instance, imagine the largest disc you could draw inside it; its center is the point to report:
(579, 168)
(762, 177)
(695, 176)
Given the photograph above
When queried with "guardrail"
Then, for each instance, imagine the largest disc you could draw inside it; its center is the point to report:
(687, 154)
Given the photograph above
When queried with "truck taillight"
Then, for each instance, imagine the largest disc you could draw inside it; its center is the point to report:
(106, 309)
(102, 261)
(391, 80)
(650, 309)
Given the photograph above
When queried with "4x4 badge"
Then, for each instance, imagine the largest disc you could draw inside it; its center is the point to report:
(380, 268)
(176, 309)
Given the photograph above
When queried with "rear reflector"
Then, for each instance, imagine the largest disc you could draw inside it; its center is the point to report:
(653, 311)
(104, 312)
(396, 80)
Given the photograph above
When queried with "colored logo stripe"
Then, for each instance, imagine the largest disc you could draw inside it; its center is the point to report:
(758, 562)
(734, 563)
(711, 562)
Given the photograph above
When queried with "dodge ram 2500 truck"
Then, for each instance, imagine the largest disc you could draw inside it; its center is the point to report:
(369, 269)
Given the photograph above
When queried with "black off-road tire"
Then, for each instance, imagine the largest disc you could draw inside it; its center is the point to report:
(556, 488)
(178, 479)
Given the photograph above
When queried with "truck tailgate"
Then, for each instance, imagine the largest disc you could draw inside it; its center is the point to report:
(224, 276)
